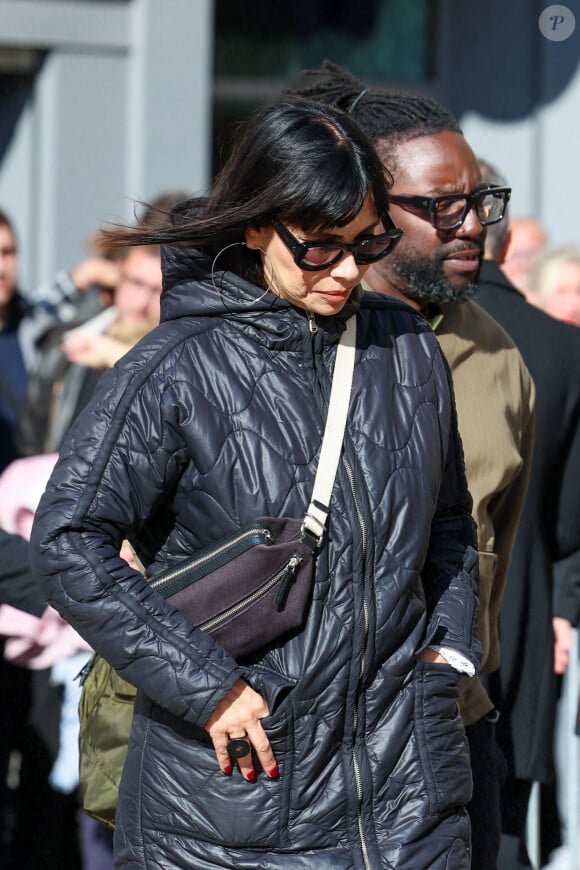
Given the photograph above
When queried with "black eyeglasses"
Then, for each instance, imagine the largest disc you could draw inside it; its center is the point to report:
(449, 212)
(315, 256)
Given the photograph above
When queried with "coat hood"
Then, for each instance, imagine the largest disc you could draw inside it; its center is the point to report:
(191, 288)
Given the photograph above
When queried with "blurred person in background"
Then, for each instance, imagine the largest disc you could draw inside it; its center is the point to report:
(542, 597)
(72, 358)
(125, 289)
(25, 318)
(553, 282)
(527, 237)
(15, 350)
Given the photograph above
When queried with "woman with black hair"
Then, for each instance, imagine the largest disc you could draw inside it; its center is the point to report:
(337, 744)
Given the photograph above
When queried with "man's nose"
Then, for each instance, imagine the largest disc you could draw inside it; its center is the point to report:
(472, 225)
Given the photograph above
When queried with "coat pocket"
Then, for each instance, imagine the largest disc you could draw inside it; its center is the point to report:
(443, 748)
(185, 793)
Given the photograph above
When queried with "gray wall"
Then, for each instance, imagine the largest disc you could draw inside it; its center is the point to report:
(117, 108)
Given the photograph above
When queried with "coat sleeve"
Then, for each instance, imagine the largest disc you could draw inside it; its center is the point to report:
(450, 573)
(118, 464)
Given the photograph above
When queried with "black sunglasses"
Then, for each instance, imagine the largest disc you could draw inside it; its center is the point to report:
(315, 256)
(449, 212)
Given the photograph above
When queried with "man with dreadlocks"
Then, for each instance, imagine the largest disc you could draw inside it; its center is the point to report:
(439, 201)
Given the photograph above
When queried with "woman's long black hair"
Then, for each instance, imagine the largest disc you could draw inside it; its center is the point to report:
(306, 163)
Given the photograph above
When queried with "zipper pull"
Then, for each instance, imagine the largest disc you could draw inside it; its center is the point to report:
(312, 323)
(84, 671)
(287, 575)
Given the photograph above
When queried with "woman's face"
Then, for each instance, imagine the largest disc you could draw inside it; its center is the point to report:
(324, 292)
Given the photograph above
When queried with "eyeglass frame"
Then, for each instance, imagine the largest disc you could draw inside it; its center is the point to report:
(430, 204)
(299, 249)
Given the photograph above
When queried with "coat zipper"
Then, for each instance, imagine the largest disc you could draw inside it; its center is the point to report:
(362, 669)
(361, 674)
(283, 577)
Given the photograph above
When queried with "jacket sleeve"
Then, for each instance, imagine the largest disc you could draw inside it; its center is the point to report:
(450, 574)
(118, 464)
(505, 510)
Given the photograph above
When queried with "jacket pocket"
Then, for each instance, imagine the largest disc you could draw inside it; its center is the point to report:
(441, 740)
(188, 795)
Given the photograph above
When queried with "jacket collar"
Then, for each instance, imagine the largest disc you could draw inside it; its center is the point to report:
(190, 290)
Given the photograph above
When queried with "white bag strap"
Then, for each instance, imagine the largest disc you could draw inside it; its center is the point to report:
(317, 513)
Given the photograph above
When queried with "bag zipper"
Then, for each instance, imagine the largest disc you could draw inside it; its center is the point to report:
(85, 671)
(240, 543)
(284, 577)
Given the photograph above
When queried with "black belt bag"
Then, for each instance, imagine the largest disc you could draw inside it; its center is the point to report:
(254, 586)
(248, 589)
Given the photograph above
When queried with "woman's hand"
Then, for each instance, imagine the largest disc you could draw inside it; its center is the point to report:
(238, 716)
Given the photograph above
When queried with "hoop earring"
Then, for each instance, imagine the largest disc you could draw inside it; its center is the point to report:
(215, 259)
(233, 245)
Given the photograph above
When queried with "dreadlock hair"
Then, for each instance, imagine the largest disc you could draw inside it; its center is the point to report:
(496, 234)
(388, 117)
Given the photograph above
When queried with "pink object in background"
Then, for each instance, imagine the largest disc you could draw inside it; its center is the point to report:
(21, 486)
(32, 642)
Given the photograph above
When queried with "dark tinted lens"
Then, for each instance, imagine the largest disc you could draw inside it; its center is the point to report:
(321, 256)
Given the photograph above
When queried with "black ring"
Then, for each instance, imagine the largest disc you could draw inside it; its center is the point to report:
(238, 747)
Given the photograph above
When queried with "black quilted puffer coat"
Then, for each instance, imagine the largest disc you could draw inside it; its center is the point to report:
(215, 419)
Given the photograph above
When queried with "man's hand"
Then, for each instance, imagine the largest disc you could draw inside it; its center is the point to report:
(93, 351)
(431, 655)
(563, 641)
(96, 271)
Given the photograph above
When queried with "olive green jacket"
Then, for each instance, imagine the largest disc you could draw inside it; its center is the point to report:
(495, 398)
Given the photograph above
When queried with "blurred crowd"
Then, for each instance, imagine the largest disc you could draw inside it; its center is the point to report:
(547, 274)
(55, 343)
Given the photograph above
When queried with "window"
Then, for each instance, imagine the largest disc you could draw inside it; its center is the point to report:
(257, 53)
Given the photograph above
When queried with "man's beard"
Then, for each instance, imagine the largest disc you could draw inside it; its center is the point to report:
(425, 281)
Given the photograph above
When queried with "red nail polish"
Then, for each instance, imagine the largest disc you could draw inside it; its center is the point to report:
(227, 770)
(251, 776)
(273, 773)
